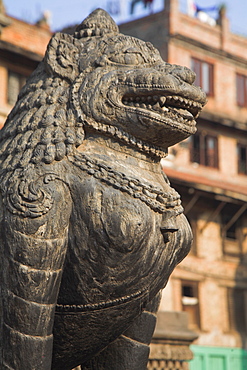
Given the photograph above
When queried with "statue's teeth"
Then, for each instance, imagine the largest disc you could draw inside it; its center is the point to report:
(165, 109)
(156, 106)
(161, 103)
(162, 100)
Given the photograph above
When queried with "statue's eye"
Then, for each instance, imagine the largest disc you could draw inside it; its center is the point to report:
(129, 57)
(119, 58)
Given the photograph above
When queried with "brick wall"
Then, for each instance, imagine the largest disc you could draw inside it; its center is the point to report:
(22, 37)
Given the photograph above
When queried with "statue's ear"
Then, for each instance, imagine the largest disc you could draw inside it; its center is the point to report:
(62, 56)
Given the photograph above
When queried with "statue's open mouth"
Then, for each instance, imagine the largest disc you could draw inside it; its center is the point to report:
(171, 106)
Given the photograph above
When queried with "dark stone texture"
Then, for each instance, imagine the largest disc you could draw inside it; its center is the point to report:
(90, 227)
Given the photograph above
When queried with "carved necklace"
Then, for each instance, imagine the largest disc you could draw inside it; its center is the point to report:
(126, 138)
(154, 197)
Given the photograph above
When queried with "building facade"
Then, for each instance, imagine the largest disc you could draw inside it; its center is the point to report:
(209, 170)
(22, 47)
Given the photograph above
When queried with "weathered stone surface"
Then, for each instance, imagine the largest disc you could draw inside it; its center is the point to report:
(90, 227)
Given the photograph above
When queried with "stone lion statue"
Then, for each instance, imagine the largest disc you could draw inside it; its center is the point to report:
(90, 226)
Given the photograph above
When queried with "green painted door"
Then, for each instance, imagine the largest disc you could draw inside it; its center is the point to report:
(218, 358)
(217, 362)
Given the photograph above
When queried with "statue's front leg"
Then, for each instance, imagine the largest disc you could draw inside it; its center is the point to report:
(131, 350)
(33, 256)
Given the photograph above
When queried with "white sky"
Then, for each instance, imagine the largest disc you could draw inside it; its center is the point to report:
(69, 12)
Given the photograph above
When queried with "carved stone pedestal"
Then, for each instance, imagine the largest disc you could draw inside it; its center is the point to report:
(170, 345)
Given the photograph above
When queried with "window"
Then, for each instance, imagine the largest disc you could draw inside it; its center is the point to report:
(204, 150)
(190, 303)
(242, 158)
(15, 83)
(236, 308)
(241, 86)
(204, 75)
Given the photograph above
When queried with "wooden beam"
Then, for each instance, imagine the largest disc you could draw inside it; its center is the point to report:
(235, 217)
(212, 217)
(191, 203)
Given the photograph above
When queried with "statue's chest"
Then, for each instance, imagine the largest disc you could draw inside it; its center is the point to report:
(113, 218)
(116, 245)
(115, 242)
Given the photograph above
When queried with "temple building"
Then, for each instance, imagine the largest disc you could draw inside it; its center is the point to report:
(209, 170)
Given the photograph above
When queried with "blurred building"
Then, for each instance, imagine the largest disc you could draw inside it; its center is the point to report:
(22, 47)
(209, 170)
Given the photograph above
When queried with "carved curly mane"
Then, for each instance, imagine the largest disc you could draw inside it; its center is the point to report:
(41, 127)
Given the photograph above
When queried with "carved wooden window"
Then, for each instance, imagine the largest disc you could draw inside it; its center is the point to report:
(204, 150)
(15, 83)
(190, 302)
(242, 158)
(241, 87)
(204, 75)
(237, 299)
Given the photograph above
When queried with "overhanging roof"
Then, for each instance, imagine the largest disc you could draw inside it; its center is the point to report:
(206, 184)
(225, 121)
(10, 48)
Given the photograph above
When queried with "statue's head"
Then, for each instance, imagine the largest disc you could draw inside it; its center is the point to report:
(100, 80)
(123, 83)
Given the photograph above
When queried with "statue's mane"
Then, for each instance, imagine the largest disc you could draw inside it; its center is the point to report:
(41, 127)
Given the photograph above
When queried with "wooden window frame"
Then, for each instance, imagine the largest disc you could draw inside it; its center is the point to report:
(200, 151)
(20, 81)
(237, 301)
(241, 90)
(242, 164)
(197, 66)
(190, 302)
